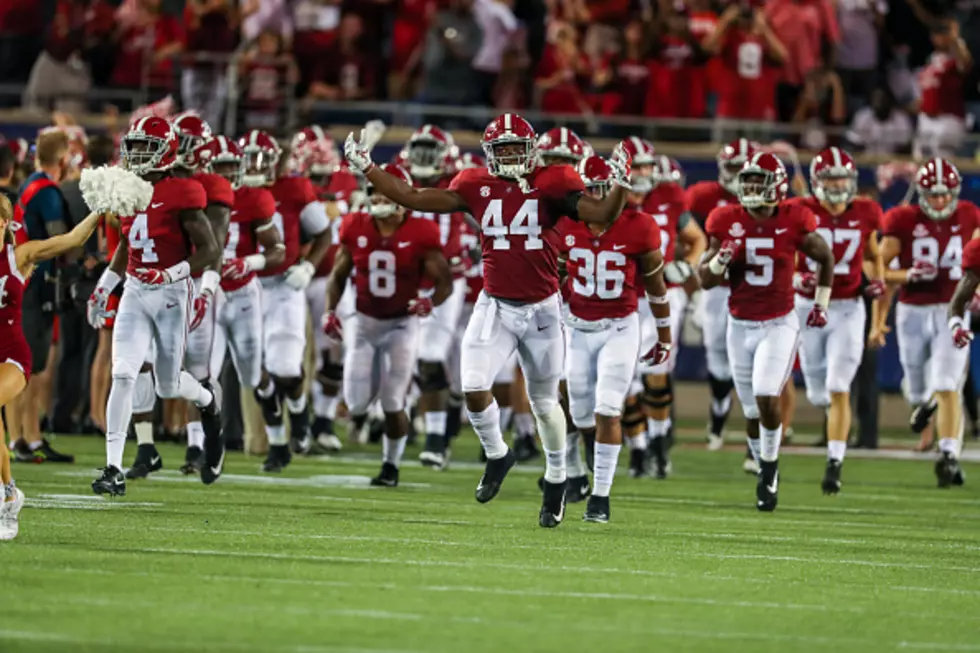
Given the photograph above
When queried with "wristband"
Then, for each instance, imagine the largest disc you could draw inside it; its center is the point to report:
(255, 262)
(109, 280)
(717, 266)
(657, 299)
(822, 296)
(956, 322)
(209, 281)
(179, 271)
(662, 322)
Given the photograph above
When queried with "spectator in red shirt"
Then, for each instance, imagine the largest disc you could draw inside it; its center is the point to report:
(625, 76)
(942, 108)
(749, 53)
(408, 36)
(561, 74)
(21, 27)
(346, 70)
(266, 69)
(150, 43)
(677, 89)
(212, 35)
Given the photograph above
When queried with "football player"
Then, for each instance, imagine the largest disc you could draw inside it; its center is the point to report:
(560, 146)
(603, 264)
(390, 253)
(298, 212)
(756, 242)
(829, 357)
(927, 239)
(155, 253)
(518, 205)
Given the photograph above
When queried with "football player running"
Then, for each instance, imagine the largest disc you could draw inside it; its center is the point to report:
(518, 205)
(928, 241)
(682, 244)
(284, 308)
(390, 254)
(158, 252)
(756, 243)
(604, 264)
(829, 357)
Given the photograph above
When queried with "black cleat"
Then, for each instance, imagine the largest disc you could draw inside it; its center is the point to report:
(111, 482)
(552, 505)
(193, 461)
(831, 477)
(277, 459)
(434, 455)
(525, 448)
(767, 486)
(922, 415)
(493, 477)
(301, 438)
(52, 456)
(577, 489)
(948, 471)
(387, 478)
(638, 463)
(147, 461)
(597, 510)
(660, 457)
(214, 441)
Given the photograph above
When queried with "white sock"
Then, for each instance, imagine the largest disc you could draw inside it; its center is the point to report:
(296, 406)
(506, 413)
(606, 458)
(195, 435)
(144, 432)
(836, 449)
(276, 435)
(573, 458)
(637, 441)
(950, 446)
(191, 389)
(435, 422)
(266, 391)
(769, 451)
(524, 423)
(552, 431)
(325, 405)
(115, 446)
(657, 428)
(392, 450)
(486, 423)
(755, 446)
(119, 411)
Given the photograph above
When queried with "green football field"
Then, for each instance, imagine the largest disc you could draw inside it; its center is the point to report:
(316, 561)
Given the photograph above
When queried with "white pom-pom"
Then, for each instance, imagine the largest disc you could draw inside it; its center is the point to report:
(110, 189)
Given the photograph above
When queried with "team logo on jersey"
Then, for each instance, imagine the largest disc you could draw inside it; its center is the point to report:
(570, 240)
(920, 231)
(737, 230)
(722, 203)
(484, 191)
(362, 241)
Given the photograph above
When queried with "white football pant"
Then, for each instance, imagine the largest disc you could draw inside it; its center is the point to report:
(930, 361)
(762, 356)
(380, 361)
(284, 328)
(829, 357)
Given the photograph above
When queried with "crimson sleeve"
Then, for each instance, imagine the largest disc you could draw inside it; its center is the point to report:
(892, 222)
(191, 195)
(265, 205)
(653, 239)
(714, 225)
(875, 217)
(307, 191)
(458, 183)
(345, 234)
(218, 190)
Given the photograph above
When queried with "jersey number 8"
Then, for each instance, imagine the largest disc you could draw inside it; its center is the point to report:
(381, 273)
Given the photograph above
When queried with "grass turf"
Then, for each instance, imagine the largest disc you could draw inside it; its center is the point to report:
(315, 561)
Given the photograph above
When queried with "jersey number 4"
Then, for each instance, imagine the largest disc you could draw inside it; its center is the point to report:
(139, 238)
(596, 274)
(524, 223)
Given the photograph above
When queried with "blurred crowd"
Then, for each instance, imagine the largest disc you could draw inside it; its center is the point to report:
(897, 73)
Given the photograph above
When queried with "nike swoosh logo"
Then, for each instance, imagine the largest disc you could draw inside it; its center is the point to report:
(154, 460)
(246, 309)
(403, 245)
(663, 207)
(540, 328)
(278, 412)
(775, 484)
(234, 212)
(781, 231)
(853, 223)
(216, 469)
(618, 247)
(156, 205)
(172, 305)
(954, 229)
(622, 328)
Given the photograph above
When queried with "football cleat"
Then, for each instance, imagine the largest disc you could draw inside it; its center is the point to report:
(387, 478)
(831, 477)
(214, 440)
(434, 455)
(277, 459)
(493, 476)
(193, 461)
(638, 463)
(660, 456)
(922, 415)
(767, 486)
(301, 445)
(552, 505)
(301, 439)
(948, 471)
(9, 511)
(715, 442)
(750, 465)
(597, 510)
(525, 448)
(147, 461)
(326, 443)
(577, 489)
(52, 456)
(111, 482)
(24, 454)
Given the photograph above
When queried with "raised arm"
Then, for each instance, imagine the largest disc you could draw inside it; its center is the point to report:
(593, 210)
(35, 251)
(427, 200)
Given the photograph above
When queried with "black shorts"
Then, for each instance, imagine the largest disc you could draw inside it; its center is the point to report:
(38, 328)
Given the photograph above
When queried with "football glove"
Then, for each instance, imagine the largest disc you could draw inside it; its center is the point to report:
(817, 319)
(300, 275)
(201, 304)
(357, 153)
(97, 312)
(420, 306)
(332, 327)
(658, 354)
(922, 271)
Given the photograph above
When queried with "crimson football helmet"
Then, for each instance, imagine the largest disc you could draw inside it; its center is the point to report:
(261, 152)
(762, 181)
(835, 166)
(938, 183)
(666, 171)
(644, 156)
(470, 160)
(150, 145)
(313, 153)
(192, 132)
(427, 151)
(560, 146)
(509, 143)
(379, 206)
(731, 158)
(222, 156)
(596, 175)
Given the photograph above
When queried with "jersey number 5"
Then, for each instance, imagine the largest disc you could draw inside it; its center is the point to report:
(524, 223)
(761, 275)
(595, 276)
(139, 238)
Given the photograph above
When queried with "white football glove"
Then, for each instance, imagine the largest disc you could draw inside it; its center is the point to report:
(300, 275)
(358, 153)
(97, 311)
(622, 164)
(677, 271)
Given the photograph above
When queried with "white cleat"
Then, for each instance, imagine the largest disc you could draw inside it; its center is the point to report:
(715, 442)
(329, 442)
(9, 524)
(750, 466)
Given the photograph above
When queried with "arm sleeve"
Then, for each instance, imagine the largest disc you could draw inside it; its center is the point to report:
(430, 236)
(220, 192)
(876, 217)
(891, 222)
(313, 218)
(653, 239)
(192, 196)
(683, 220)
(264, 207)
(712, 226)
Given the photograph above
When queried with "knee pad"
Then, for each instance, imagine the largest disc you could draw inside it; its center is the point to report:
(654, 397)
(287, 385)
(543, 397)
(432, 377)
(121, 369)
(633, 413)
(144, 393)
(331, 374)
(720, 388)
(607, 409)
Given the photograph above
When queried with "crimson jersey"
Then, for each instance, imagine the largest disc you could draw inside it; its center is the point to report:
(705, 196)
(518, 240)
(252, 205)
(847, 236)
(761, 274)
(971, 256)
(602, 269)
(667, 203)
(292, 195)
(13, 344)
(218, 190)
(339, 188)
(156, 238)
(939, 242)
(941, 82)
(387, 269)
(474, 271)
